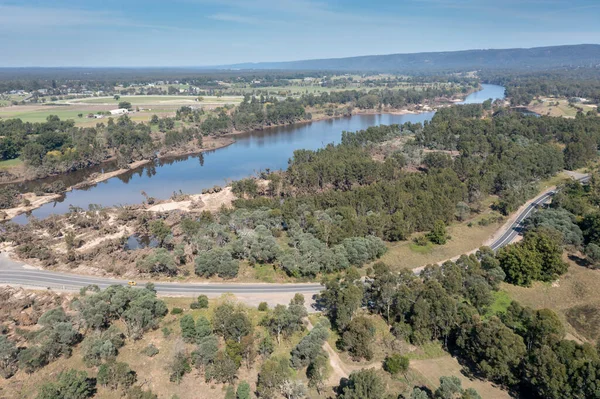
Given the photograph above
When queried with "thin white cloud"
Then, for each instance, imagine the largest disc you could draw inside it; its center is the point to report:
(235, 18)
(44, 17)
(53, 20)
(299, 12)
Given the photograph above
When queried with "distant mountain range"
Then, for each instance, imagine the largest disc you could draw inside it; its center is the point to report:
(538, 58)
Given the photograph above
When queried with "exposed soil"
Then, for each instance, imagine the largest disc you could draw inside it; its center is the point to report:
(22, 308)
(35, 201)
(197, 202)
(433, 369)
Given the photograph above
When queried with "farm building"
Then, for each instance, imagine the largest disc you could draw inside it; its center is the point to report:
(120, 111)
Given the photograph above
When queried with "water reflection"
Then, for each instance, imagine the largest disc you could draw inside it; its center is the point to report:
(252, 152)
(137, 241)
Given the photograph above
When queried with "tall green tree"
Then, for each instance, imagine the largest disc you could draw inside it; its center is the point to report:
(363, 384)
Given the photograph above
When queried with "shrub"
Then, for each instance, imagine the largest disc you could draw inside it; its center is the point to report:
(150, 350)
(263, 307)
(8, 357)
(71, 384)
(438, 235)
(102, 346)
(179, 367)
(243, 391)
(176, 311)
(396, 363)
(138, 393)
(216, 261)
(116, 375)
(203, 301)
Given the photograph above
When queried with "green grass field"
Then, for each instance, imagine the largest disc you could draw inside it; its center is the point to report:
(548, 107)
(7, 99)
(10, 163)
(38, 115)
(501, 302)
(157, 100)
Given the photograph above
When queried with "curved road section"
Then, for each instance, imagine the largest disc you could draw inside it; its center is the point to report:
(516, 227)
(19, 274)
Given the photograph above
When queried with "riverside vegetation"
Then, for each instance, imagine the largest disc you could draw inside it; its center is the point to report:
(330, 212)
(335, 207)
(58, 146)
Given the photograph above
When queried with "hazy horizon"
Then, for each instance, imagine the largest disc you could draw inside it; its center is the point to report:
(216, 66)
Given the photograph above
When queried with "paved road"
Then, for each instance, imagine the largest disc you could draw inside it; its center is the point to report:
(17, 273)
(517, 227)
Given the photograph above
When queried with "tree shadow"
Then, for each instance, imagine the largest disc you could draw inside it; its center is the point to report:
(469, 370)
(581, 261)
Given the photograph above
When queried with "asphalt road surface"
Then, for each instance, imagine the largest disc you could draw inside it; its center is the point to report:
(18, 274)
(517, 227)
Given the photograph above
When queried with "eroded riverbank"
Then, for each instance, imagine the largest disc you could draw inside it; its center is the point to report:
(252, 152)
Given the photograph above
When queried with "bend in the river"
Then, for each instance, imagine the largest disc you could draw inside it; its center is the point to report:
(252, 152)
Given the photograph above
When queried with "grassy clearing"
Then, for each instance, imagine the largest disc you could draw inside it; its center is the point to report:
(432, 369)
(6, 100)
(557, 180)
(10, 163)
(429, 350)
(157, 100)
(421, 249)
(465, 236)
(571, 296)
(547, 106)
(408, 255)
(501, 302)
(38, 115)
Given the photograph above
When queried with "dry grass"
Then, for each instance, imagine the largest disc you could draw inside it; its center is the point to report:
(577, 288)
(151, 372)
(432, 369)
(407, 255)
(546, 106)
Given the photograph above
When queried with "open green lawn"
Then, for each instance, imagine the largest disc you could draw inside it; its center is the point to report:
(71, 112)
(38, 115)
(7, 99)
(158, 100)
(501, 302)
(10, 163)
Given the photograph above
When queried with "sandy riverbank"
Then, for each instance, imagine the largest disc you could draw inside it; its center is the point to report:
(29, 202)
(210, 143)
(36, 201)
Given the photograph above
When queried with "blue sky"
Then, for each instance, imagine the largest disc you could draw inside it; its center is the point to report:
(213, 32)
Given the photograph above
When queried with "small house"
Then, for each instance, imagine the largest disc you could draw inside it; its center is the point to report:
(119, 111)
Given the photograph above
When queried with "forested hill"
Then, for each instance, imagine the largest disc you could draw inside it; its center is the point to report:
(531, 59)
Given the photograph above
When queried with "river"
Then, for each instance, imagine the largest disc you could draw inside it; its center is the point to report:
(252, 152)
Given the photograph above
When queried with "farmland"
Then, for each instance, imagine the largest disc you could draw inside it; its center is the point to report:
(157, 100)
(558, 107)
(78, 109)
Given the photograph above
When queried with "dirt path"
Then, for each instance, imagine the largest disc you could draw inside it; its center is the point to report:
(340, 369)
